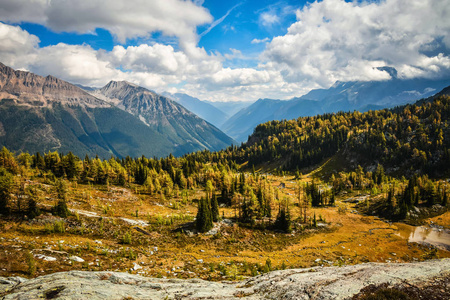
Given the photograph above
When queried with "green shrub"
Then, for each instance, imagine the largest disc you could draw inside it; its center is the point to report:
(61, 209)
(126, 238)
(31, 264)
(59, 227)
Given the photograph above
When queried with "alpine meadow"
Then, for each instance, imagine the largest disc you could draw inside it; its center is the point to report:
(189, 149)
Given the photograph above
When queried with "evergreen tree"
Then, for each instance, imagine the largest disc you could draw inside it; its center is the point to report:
(204, 220)
(390, 198)
(38, 161)
(70, 166)
(332, 198)
(215, 208)
(444, 199)
(32, 210)
(61, 209)
(5, 191)
(283, 220)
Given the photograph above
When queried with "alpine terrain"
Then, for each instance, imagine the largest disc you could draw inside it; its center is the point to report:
(48, 114)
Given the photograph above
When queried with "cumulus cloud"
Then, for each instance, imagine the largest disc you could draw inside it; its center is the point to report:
(23, 11)
(125, 19)
(153, 66)
(16, 44)
(331, 40)
(260, 41)
(237, 77)
(336, 40)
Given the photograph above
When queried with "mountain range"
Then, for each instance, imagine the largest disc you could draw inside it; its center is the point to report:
(47, 114)
(342, 96)
(230, 108)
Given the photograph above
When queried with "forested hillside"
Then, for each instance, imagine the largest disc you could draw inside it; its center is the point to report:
(411, 138)
(203, 214)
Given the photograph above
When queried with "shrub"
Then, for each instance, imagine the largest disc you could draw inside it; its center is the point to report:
(61, 210)
(126, 238)
(59, 227)
(31, 264)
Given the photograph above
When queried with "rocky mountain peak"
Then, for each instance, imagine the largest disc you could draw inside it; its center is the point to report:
(117, 91)
(119, 84)
(27, 88)
(164, 115)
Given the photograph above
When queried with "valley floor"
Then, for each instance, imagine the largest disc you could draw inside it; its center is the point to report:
(121, 229)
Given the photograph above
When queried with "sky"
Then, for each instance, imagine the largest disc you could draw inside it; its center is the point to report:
(226, 50)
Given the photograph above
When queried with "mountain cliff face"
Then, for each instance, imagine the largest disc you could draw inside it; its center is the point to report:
(26, 88)
(181, 127)
(48, 114)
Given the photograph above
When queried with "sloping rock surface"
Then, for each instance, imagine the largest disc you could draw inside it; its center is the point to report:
(311, 283)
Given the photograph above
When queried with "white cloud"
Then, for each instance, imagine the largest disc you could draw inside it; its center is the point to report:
(260, 41)
(75, 63)
(16, 44)
(331, 40)
(237, 77)
(235, 54)
(199, 2)
(23, 11)
(335, 40)
(267, 19)
(155, 66)
(125, 19)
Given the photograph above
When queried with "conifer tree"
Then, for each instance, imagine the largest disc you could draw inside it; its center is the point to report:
(5, 191)
(214, 208)
(390, 198)
(332, 198)
(204, 218)
(32, 210)
(283, 220)
(444, 199)
(61, 209)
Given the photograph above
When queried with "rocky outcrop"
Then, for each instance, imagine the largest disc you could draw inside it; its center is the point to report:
(311, 283)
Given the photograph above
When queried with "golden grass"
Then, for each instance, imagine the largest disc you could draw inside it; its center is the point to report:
(348, 238)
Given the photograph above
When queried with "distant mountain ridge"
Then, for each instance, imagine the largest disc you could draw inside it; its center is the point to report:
(201, 108)
(48, 114)
(230, 108)
(342, 96)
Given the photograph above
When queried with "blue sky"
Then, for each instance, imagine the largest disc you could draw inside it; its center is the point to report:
(244, 23)
(238, 24)
(226, 50)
